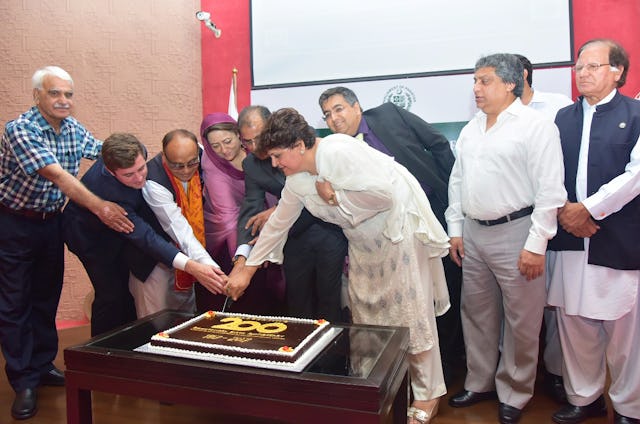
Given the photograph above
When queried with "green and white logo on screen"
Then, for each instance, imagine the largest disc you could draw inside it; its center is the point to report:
(400, 96)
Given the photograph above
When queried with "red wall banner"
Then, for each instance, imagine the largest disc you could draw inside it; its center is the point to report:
(616, 19)
(221, 55)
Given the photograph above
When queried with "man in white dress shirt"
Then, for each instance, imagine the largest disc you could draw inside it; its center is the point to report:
(548, 104)
(504, 192)
(595, 263)
(173, 192)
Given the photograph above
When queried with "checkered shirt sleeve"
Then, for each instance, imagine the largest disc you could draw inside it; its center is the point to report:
(28, 144)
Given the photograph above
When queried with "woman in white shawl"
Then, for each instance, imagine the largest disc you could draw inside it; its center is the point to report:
(395, 242)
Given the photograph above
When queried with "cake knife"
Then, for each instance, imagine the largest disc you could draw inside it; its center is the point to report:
(227, 302)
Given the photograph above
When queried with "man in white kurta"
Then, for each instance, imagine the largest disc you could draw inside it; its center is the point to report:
(548, 104)
(504, 192)
(596, 289)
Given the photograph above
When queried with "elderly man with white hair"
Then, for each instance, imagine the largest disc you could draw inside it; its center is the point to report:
(40, 156)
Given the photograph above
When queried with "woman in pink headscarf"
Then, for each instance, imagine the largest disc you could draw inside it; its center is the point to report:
(224, 193)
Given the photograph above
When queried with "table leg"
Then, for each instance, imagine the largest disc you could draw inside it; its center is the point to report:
(78, 405)
(401, 401)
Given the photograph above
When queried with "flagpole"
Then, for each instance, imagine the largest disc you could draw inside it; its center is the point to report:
(233, 91)
(235, 86)
(235, 76)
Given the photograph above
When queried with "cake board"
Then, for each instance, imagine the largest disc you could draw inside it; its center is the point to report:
(298, 366)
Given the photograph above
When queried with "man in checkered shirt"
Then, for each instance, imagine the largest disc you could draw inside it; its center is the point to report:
(40, 155)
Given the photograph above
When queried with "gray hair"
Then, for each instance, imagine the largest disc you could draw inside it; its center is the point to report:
(345, 92)
(40, 74)
(507, 66)
(617, 56)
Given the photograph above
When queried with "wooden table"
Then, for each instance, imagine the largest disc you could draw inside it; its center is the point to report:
(361, 377)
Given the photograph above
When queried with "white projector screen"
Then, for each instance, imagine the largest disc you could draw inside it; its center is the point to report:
(302, 42)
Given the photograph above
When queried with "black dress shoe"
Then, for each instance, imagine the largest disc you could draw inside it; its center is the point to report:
(509, 414)
(571, 414)
(621, 419)
(25, 405)
(55, 377)
(467, 398)
(554, 386)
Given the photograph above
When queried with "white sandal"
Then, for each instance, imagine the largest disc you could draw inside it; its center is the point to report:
(422, 416)
(418, 414)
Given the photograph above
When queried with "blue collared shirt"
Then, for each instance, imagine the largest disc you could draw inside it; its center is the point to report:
(30, 143)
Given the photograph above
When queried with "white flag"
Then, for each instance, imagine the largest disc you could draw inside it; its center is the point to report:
(233, 106)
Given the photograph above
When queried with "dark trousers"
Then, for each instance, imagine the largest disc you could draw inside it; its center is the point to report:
(449, 325)
(113, 304)
(451, 340)
(313, 266)
(31, 274)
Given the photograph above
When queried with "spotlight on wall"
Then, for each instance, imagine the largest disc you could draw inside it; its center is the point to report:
(206, 18)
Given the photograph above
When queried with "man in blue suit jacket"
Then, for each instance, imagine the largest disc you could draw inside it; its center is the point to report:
(119, 176)
(427, 154)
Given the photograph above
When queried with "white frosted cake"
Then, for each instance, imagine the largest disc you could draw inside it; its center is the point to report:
(265, 338)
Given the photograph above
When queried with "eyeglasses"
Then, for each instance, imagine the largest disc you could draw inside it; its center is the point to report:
(248, 142)
(179, 166)
(590, 67)
(329, 114)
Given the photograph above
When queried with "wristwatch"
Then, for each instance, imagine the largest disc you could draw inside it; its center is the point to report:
(236, 258)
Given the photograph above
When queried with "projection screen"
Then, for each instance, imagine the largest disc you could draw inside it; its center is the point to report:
(303, 42)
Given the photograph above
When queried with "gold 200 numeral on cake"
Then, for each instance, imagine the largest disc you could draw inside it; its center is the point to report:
(238, 324)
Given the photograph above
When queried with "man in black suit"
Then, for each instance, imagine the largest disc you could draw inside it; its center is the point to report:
(427, 155)
(119, 176)
(315, 250)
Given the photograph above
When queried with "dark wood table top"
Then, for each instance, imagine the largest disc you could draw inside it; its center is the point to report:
(361, 370)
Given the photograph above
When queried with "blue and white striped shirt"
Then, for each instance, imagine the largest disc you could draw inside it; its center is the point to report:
(30, 143)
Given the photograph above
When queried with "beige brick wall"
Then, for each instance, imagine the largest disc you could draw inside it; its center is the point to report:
(136, 67)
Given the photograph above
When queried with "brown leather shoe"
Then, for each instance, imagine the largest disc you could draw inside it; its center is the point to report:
(466, 398)
(25, 404)
(572, 414)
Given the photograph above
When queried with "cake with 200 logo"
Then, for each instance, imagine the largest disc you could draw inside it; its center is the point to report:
(279, 339)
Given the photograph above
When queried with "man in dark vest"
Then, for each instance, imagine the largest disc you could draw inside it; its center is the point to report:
(595, 260)
(173, 192)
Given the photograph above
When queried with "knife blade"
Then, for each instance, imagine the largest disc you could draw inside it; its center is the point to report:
(227, 302)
